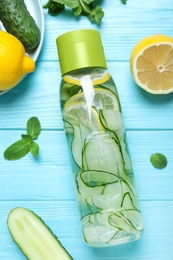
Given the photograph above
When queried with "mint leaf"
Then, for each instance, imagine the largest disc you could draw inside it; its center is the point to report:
(97, 15)
(77, 11)
(124, 2)
(70, 3)
(33, 127)
(27, 138)
(87, 1)
(34, 149)
(17, 150)
(54, 7)
(158, 160)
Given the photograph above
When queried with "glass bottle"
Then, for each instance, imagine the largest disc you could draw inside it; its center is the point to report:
(93, 122)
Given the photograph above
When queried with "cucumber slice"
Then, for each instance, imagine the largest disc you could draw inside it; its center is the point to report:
(84, 190)
(96, 229)
(134, 217)
(110, 203)
(128, 202)
(108, 199)
(119, 223)
(98, 178)
(125, 153)
(111, 197)
(102, 152)
(120, 187)
(33, 237)
(80, 134)
(68, 128)
(111, 119)
(104, 191)
(104, 228)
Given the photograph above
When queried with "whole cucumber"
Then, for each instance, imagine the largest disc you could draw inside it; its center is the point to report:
(18, 21)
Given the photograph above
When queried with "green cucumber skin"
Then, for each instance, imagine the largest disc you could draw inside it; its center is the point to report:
(18, 22)
(25, 212)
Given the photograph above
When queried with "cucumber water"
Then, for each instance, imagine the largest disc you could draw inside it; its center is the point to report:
(105, 186)
(103, 172)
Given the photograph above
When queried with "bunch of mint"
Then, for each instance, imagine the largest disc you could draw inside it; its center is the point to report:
(79, 7)
(27, 142)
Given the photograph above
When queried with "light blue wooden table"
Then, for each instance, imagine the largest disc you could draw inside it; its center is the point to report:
(45, 184)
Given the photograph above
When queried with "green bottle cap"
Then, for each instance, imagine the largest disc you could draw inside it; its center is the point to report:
(80, 49)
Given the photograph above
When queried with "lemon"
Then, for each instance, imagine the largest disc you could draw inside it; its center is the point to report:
(151, 64)
(78, 113)
(106, 104)
(95, 78)
(14, 62)
(102, 98)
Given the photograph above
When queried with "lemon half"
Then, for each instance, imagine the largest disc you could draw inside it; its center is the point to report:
(151, 64)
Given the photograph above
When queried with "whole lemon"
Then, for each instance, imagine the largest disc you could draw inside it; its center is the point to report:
(14, 62)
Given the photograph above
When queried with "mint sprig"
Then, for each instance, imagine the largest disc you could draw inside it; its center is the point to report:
(26, 144)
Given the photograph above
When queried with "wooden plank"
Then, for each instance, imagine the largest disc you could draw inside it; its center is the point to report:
(121, 28)
(45, 185)
(50, 176)
(39, 96)
(63, 218)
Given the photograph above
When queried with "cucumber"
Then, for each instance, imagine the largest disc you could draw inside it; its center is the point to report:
(34, 238)
(18, 22)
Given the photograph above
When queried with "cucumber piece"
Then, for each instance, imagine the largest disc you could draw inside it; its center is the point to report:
(86, 190)
(34, 238)
(126, 156)
(80, 133)
(68, 128)
(120, 187)
(111, 228)
(98, 178)
(119, 223)
(128, 202)
(103, 190)
(97, 230)
(111, 119)
(18, 21)
(134, 217)
(102, 152)
(110, 203)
